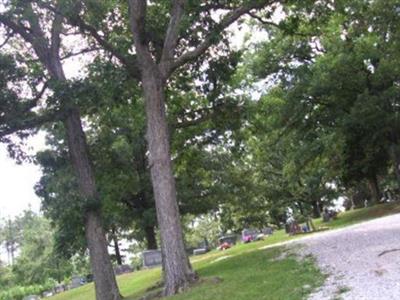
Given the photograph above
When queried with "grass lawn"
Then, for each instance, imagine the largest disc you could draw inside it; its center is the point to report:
(245, 271)
(360, 215)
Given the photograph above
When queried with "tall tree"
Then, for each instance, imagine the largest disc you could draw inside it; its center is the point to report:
(42, 31)
(10, 238)
(37, 262)
(167, 35)
(333, 67)
(156, 69)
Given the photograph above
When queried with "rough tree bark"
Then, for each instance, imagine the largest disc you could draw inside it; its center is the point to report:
(146, 198)
(396, 162)
(394, 153)
(177, 270)
(48, 52)
(118, 256)
(103, 272)
(374, 189)
(151, 238)
(316, 208)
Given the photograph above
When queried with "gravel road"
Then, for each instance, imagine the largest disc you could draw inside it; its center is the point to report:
(363, 260)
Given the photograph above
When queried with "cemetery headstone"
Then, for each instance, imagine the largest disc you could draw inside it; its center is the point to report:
(76, 281)
(230, 239)
(268, 230)
(122, 269)
(31, 297)
(326, 216)
(249, 234)
(204, 244)
(59, 288)
(47, 294)
(199, 251)
(151, 258)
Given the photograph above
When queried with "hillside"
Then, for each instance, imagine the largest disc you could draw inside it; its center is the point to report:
(244, 271)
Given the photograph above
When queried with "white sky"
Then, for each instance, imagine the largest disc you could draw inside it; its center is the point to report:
(17, 181)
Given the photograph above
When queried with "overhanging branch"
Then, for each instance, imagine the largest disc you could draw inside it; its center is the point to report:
(137, 19)
(9, 34)
(172, 35)
(22, 31)
(214, 36)
(31, 123)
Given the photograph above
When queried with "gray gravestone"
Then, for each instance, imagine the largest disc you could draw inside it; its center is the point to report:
(199, 251)
(326, 217)
(250, 233)
(122, 269)
(59, 288)
(151, 258)
(230, 239)
(76, 281)
(47, 294)
(268, 230)
(31, 297)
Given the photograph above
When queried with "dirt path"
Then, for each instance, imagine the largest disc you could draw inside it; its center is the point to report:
(363, 260)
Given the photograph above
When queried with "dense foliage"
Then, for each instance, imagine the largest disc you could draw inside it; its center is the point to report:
(286, 124)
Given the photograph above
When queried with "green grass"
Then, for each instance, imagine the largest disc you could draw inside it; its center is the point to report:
(246, 272)
(360, 215)
(256, 275)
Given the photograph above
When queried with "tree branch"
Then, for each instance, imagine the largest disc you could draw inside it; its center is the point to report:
(84, 27)
(262, 21)
(35, 28)
(22, 31)
(83, 51)
(41, 92)
(9, 34)
(130, 63)
(137, 19)
(30, 123)
(172, 35)
(56, 30)
(214, 36)
(202, 115)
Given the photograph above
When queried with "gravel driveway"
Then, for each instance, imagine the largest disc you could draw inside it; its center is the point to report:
(363, 261)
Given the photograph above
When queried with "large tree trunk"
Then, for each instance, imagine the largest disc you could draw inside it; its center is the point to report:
(316, 208)
(374, 189)
(178, 272)
(104, 278)
(151, 240)
(396, 162)
(146, 200)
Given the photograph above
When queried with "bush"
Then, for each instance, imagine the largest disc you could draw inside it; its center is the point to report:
(19, 292)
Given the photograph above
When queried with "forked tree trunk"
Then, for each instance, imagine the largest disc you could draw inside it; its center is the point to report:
(104, 278)
(178, 272)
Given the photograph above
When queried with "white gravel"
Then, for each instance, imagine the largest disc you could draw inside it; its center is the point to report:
(362, 261)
